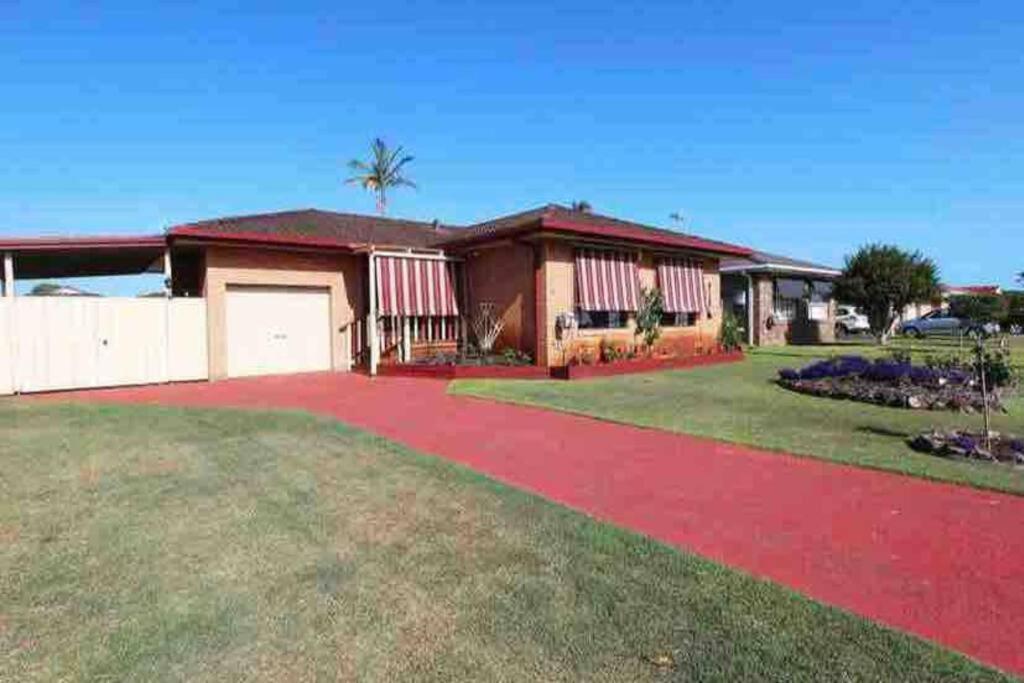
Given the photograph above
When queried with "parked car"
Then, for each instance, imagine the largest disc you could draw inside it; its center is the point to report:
(850, 321)
(942, 322)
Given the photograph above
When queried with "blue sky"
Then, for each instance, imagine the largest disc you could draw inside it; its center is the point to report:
(804, 128)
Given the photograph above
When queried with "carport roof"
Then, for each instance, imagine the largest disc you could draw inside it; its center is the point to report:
(56, 257)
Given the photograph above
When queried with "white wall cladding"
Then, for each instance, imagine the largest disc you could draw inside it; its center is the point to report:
(52, 343)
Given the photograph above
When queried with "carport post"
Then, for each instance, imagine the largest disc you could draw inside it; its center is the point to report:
(371, 318)
(9, 275)
(750, 309)
(168, 273)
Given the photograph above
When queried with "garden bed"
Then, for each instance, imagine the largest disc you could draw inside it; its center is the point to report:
(971, 445)
(636, 365)
(455, 370)
(892, 383)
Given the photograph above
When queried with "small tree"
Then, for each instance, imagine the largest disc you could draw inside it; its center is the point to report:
(582, 206)
(978, 308)
(648, 315)
(487, 327)
(882, 280)
(730, 336)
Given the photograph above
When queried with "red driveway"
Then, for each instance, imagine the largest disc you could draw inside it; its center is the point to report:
(941, 561)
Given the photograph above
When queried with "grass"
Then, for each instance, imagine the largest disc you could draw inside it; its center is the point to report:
(141, 543)
(741, 403)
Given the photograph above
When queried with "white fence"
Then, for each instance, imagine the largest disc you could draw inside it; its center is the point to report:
(52, 343)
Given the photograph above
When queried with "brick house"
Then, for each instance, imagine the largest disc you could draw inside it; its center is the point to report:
(780, 300)
(313, 290)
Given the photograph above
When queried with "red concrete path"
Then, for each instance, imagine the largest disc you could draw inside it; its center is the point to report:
(941, 561)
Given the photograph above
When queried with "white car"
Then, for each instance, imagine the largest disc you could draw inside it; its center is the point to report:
(849, 321)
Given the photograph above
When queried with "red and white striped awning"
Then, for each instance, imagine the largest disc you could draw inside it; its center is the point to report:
(606, 280)
(415, 286)
(681, 282)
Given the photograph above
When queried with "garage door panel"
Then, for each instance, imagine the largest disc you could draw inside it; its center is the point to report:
(273, 330)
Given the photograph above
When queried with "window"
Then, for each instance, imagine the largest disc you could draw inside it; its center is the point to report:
(669, 319)
(821, 291)
(788, 295)
(601, 320)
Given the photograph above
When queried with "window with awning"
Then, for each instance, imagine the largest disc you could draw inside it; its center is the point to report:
(415, 287)
(606, 280)
(681, 281)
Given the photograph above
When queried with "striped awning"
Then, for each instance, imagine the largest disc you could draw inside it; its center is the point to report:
(606, 280)
(681, 282)
(415, 286)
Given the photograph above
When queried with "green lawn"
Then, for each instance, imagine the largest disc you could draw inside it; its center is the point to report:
(163, 544)
(741, 403)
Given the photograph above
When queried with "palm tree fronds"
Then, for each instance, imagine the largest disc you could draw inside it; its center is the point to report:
(382, 172)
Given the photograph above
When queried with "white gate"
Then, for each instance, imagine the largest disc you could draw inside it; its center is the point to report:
(51, 343)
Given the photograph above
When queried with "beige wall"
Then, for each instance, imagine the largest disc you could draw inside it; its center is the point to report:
(339, 273)
(556, 281)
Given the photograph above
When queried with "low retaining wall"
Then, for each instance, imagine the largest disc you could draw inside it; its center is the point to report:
(465, 371)
(637, 365)
(566, 372)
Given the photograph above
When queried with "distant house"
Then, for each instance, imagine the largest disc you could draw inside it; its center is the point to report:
(780, 300)
(949, 291)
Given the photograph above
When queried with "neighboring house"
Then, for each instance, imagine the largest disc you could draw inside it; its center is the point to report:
(315, 290)
(949, 291)
(780, 300)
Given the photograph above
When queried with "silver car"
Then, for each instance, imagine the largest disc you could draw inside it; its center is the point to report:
(942, 322)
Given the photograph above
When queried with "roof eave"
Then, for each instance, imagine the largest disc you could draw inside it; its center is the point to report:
(664, 241)
(23, 244)
(781, 268)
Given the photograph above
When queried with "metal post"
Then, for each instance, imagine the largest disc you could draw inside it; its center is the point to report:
(406, 340)
(168, 274)
(750, 309)
(371, 318)
(9, 275)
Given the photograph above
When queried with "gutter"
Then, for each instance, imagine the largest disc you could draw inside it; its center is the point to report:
(780, 268)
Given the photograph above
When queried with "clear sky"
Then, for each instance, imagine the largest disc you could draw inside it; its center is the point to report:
(805, 128)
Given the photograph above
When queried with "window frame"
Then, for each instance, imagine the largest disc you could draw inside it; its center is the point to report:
(623, 317)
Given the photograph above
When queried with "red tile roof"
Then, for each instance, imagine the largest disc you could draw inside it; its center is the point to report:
(315, 228)
(560, 219)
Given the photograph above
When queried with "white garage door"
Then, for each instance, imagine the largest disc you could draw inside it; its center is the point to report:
(277, 330)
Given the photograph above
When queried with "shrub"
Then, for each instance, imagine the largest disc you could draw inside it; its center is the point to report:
(966, 443)
(609, 352)
(789, 374)
(648, 315)
(731, 334)
(999, 372)
(900, 356)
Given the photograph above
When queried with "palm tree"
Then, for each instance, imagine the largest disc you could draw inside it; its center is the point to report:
(382, 172)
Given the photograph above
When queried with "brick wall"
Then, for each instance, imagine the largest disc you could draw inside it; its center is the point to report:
(504, 275)
(555, 284)
(797, 331)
